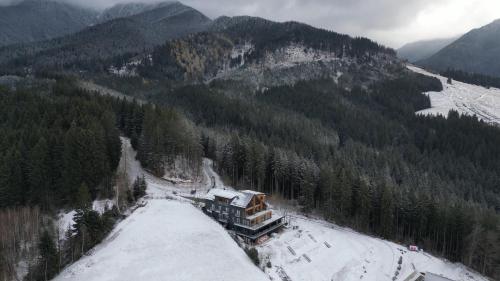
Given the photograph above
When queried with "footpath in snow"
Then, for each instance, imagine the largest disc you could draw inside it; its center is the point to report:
(464, 98)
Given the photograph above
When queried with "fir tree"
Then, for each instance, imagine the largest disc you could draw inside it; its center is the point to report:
(139, 187)
(48, 263)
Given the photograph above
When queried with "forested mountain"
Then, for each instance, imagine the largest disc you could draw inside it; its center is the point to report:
(94, 47)
(477, 52)
(263, 53)
(37, 20)
(357, 155)
(421, 50)
(320, 119)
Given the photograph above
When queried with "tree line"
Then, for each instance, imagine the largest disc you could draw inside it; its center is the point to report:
(472, 78)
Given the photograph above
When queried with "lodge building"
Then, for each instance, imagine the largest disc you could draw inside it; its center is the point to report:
(246, 212)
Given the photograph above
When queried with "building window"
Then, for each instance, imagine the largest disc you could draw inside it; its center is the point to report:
(237, 213)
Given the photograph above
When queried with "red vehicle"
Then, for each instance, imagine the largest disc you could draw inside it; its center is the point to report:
(413, 248)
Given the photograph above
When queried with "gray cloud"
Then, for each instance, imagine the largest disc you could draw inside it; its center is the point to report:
(392, 22)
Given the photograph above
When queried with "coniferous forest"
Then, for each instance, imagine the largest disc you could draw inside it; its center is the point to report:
(361, 158)
(59, 149)
(473, 78)
(322, 122)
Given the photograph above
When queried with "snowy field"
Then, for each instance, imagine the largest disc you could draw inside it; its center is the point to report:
(316, 250)
(464, 98)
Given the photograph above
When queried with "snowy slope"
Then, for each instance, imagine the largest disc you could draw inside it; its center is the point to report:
(169, 239)
(464, 98)
(351, 256)
(166, 240)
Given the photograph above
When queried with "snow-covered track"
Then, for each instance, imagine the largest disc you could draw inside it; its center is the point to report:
(464, 98)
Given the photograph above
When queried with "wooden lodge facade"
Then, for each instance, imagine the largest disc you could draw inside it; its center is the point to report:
(246, 212)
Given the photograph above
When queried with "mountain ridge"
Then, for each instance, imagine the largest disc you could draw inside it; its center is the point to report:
(31, 21)
(477, 51)
(263, 53)
(105, 41)
(419, 50)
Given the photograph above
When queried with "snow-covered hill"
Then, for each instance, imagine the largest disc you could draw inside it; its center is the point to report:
(166, 240)
(170, 239)
(316, 250)
(464, 98)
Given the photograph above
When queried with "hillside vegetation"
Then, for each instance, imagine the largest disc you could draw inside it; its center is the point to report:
(60, 148)
(361, 158)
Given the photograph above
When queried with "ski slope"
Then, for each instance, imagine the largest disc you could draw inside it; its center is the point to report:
(465, 98)
(165, 240)
(319, 251)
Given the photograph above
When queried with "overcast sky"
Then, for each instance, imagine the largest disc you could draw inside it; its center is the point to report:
(391, 22)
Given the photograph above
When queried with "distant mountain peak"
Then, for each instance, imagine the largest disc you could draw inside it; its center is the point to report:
(128, 9)
(37, 20)
(477, 51)
(423, 49)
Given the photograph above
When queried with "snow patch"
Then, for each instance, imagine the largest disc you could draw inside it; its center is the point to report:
(127, 70)
(239, 51)
(65, 222)
(102, 206)
(297, 54)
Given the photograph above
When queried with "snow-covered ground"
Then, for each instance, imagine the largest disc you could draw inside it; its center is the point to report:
(464, 98)
(316, 250)
(166, 240)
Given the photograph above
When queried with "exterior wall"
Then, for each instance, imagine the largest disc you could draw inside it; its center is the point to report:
(227, 212)
(256, 205)
(261, 218)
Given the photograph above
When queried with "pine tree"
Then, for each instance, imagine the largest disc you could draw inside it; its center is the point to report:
(386, 212)
(38, 176)
(139, 187)
(48, 263)
(83, 199)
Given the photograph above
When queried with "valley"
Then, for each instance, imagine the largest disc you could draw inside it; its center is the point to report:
(128, 130)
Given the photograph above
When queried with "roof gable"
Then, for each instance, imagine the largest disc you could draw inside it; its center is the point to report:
(239, 199)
